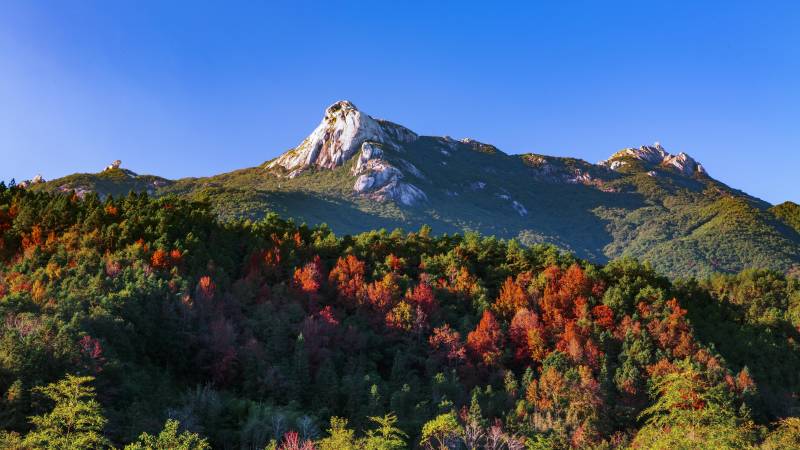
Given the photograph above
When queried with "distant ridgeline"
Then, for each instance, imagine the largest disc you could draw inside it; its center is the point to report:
(358, 173)
(149, 322)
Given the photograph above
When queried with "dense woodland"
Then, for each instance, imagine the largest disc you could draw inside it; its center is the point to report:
(146, 323)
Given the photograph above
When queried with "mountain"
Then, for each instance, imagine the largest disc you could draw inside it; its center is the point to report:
(356, 173)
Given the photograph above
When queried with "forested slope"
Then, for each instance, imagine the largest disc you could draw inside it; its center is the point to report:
(246, 333)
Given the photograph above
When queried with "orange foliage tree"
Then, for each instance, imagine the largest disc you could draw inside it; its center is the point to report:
(348, 277)
(512, 298)
(485, 343)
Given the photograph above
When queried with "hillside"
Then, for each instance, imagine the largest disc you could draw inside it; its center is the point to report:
(357, 173)
(149, 322)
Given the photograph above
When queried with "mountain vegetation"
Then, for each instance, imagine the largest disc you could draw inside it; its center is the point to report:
(167, 322)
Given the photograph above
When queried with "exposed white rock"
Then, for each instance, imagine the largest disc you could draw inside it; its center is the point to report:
(380, 180)
(114, 165)
(580, 177)
(656, 155)
(379, 175)
(652, 154)
(479, 146)
(519, 208)
(80, 191)
(405, 193)
(338, 137)
(449, 142)
(369, 150)
(412, 169)
(38, 179)
(617, 164)
(684, 163)
(477, 185)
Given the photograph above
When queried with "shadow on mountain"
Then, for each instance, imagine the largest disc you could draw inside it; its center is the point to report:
(342, 216)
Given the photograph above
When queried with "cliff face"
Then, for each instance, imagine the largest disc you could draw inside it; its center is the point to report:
(338, 137)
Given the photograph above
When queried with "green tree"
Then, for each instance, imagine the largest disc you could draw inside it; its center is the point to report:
(441, 433)
(339, 436)
(387, 436)
(786, 435)
(76, 420)
(691, 413)
(170, 439)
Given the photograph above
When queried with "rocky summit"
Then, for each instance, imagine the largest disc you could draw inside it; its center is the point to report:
(356, 173)
(344, 133)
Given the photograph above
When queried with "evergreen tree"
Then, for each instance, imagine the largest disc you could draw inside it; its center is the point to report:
(301, 375)
(170, 439)
(75, 421)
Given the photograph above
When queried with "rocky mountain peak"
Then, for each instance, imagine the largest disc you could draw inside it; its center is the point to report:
(655, 155)
(339, 137)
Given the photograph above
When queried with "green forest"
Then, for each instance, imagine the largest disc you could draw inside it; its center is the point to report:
(149, 323)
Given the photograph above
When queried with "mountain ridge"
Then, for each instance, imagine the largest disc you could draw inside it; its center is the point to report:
(355, 173)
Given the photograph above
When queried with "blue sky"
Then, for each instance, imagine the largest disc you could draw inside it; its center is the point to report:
(197, 88)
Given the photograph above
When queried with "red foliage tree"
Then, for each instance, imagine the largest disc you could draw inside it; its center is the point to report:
(744, 382)
(308, 279)
(525, 333)
(673, 331)
(395, 264)
(292, 441)
(603, 317)
(422, 296)
(319, 331)
(91, 354)
(176, 257)
(206, 288)
(486, 341)
(160, 260)
(348, 277)
(448, 346)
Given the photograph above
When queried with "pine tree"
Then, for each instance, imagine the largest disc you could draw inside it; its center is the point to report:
(475, 413)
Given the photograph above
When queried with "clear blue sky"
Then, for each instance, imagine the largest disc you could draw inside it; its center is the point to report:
(197, 88)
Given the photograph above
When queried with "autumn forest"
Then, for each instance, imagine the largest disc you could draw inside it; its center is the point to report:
(141, 323)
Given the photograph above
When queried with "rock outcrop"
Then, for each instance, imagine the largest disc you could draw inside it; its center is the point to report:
(38, 179)
(114, 165)
(655, 155)
(380, 180)
(338, 137)
(345, 133)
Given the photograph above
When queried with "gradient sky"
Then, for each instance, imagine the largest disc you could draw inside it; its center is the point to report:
(198, 88)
